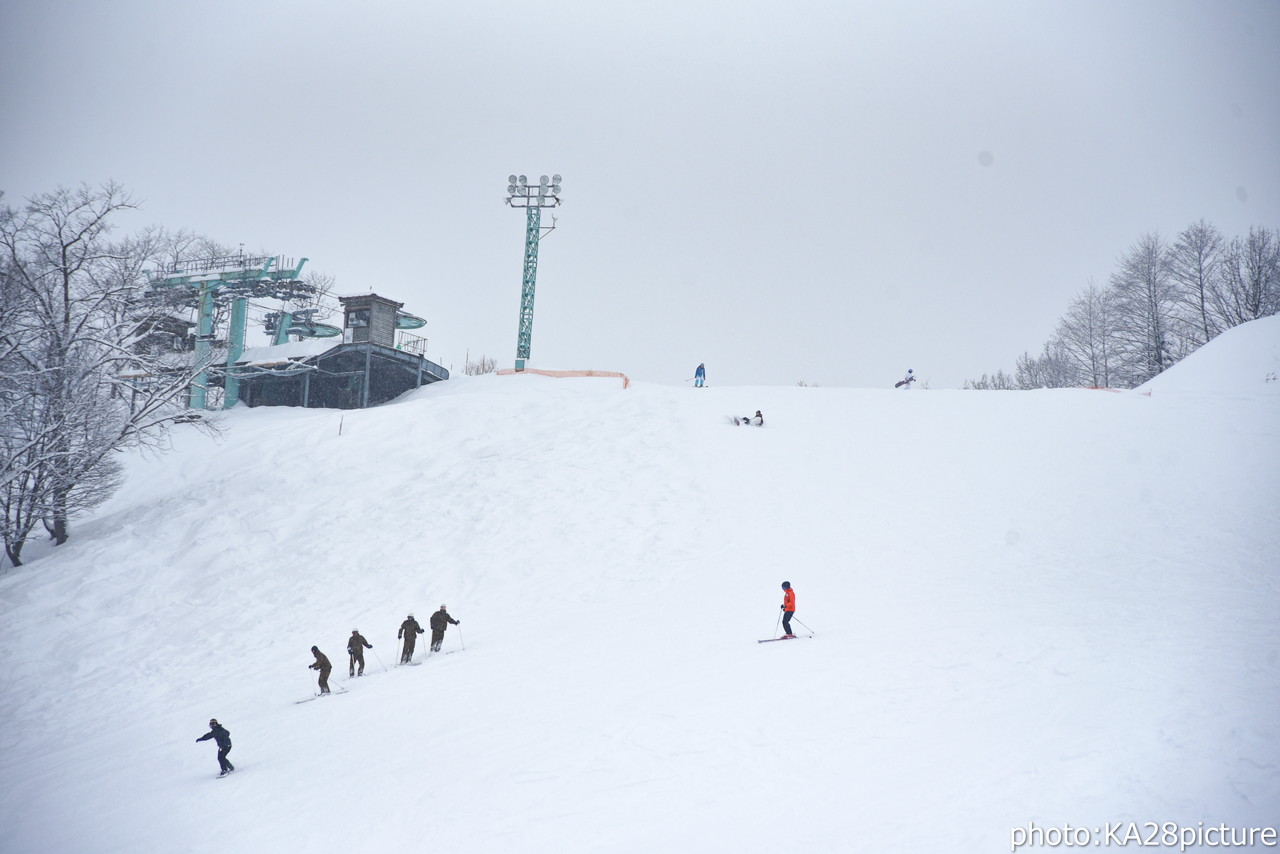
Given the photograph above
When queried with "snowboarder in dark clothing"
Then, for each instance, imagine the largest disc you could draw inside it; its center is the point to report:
(409, 630)
(223, 739)
(356, 646)
(322, 664)
(788, 608)
(756, 420)
(700, 376)
(440, 621)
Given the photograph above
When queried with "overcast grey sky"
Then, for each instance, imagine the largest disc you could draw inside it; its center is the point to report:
(821, 191)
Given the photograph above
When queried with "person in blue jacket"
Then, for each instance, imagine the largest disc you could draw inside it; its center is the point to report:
(700, 376)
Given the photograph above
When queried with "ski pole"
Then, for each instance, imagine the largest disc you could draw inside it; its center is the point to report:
(811, 631)
(460, 640)
(400, 660)
(777, 622)
(375, 655)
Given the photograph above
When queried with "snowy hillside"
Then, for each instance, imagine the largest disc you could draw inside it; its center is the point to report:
(1222, 366)
(1051, 607)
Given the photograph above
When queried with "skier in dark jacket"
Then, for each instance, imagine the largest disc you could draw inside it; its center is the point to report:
(440, 621)
(700, 376)
(223, 739)
(356, 645)
(409, 630)
(322, 664)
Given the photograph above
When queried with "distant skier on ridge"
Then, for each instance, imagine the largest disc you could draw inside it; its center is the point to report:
(409, 630)
(356, 646)
(788, 608)
(222, 738)
(906, 381)
(440, 621)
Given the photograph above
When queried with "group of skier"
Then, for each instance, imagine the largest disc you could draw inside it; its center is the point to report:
(408, 633)
(356, 645)
(700, 381)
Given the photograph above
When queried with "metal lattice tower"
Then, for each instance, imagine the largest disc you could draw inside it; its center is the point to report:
(233, 279)
(533, 198)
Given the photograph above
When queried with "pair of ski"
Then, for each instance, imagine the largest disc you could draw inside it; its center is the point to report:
(340, 690)
(784, 637)
(424, 658)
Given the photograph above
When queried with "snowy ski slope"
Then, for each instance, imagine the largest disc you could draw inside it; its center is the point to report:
(1051, 607)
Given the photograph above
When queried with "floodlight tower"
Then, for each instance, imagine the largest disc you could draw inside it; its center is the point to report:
(533, 198)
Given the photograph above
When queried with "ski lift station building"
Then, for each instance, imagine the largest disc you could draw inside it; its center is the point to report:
(366, 366)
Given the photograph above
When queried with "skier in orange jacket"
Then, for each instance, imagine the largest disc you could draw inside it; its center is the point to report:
(788, 608)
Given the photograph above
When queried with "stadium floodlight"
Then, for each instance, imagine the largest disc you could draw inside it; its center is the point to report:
(521, 195)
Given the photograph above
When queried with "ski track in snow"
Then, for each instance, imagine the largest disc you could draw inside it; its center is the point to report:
(1053, 606)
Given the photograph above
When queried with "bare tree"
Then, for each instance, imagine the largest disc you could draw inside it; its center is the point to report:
(1143, 298)
(74, 386)
(999, 381)
(1194, 264)
(481, 365)
(1086, 336)
(1249, 285)
(1053, 368)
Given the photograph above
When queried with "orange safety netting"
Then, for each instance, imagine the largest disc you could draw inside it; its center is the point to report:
(1116, 390)
(626, 382)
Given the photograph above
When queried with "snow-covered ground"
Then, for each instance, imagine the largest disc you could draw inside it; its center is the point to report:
(1056, 607)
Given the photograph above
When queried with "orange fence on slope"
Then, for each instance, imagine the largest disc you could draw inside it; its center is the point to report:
(1116, 390)
(626, 382)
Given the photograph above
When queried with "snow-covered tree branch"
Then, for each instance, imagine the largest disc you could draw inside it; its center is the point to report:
(75, 386)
